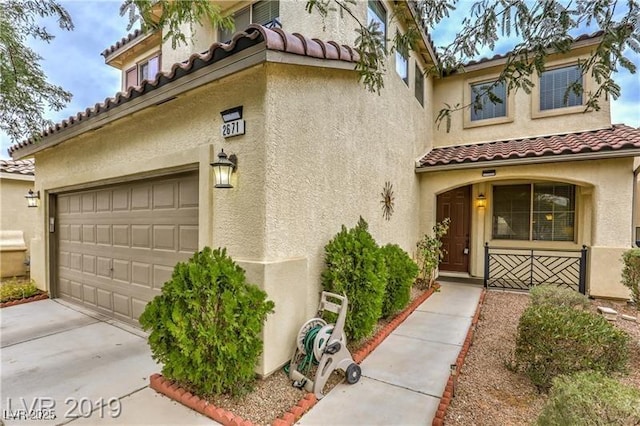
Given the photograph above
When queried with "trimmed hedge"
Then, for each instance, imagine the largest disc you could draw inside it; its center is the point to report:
(551, 295)
(356, 268)
(553, 341)
(402, 272)
(206, 325)
(590, 398)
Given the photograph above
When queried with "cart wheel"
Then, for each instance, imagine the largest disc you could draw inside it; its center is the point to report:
(353, 373)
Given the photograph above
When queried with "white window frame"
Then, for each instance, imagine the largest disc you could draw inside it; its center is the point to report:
(138, 70)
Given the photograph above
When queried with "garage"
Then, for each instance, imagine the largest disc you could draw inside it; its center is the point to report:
(117, 245)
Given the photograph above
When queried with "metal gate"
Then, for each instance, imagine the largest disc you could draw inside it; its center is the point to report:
(521, 269)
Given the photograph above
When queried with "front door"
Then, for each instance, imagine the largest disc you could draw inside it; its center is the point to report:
(456, 205)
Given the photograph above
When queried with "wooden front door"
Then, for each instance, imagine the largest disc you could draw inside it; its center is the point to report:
(456, 205)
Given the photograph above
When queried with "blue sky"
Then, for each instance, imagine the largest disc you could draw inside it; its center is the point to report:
(73, 61)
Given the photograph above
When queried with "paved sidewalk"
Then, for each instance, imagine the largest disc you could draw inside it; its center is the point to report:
(404, 378)
(56, 356)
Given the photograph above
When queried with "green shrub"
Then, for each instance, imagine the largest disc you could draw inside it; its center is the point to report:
(206, 325)
(553, 341)
(430, 253)
(590, 398)
(402, 272)
(15, 290)
(631, 273)
(356, 268)
(552, 295)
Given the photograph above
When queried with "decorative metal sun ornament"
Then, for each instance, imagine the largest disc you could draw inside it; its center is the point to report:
(388, 200)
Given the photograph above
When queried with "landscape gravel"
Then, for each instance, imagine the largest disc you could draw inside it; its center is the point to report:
(488, 392)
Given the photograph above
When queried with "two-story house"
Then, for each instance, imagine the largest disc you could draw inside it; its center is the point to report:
(129, 189)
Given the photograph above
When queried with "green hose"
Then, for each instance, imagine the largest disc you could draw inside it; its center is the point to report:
(309, 358)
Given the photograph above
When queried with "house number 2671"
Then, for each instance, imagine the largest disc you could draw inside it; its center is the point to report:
(232, 128)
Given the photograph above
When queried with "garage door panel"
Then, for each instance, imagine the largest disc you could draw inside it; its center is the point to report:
(140, 198)
(164, 196)
(118, 245)
(188, 238)
(88, 264)
(141, 274)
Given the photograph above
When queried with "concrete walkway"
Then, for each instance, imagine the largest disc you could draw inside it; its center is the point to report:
(404, 378)
(71, 363)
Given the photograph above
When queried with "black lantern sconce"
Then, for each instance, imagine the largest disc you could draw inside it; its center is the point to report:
(33, 198)
(223, 168)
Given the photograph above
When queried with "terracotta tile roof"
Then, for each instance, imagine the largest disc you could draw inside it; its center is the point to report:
(18, 167)
(275, 39)
(504, 55)
(617, 138)
(124, 40)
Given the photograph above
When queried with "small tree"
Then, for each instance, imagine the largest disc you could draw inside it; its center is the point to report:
(631, 273)
(430, 253)
(356, 268)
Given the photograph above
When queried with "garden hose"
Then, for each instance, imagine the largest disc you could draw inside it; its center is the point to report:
(309, 358)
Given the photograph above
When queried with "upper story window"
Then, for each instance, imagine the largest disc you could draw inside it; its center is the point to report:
(377, 13)
(402, 66)
(265, 12)
(482, 106)
(538, 211)
(145, 70)
(419, 85)
(557, 88)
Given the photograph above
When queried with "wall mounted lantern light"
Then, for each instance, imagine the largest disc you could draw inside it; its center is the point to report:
(223, 168)
(33, 198)
(481, 201)
(232, 114)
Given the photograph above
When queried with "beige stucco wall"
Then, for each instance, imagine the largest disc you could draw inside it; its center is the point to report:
(15, 215)
(603, 218)
(451, 90)
(182, 133)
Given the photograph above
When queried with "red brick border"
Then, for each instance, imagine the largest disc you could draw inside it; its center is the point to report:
(41, 296)
(168, 388)
(448, 395)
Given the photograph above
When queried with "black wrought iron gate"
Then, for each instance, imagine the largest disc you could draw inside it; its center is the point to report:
(510, 268)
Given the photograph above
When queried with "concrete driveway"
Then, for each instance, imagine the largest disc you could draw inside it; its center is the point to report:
(59, 361)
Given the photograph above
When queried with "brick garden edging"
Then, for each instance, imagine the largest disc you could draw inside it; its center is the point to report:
(447, 396)
(41, 296)
(171, 390)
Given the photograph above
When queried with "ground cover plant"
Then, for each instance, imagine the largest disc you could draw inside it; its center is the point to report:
(205, 327)
(590, 398)
(16, 289)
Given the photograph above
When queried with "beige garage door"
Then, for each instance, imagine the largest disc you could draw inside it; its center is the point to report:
(118, 245)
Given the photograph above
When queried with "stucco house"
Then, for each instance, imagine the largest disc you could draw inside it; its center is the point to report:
(17, 220)
(128, 187)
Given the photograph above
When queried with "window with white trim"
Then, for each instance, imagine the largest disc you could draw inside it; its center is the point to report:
(265, 12)
(483, 106)
(402, 66)
(145, 70)
(558, 88)
(377, 13)
(536, 211)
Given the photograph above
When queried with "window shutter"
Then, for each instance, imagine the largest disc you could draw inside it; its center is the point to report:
(265, 11)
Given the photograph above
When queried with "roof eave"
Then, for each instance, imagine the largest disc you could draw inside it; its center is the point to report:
(631, 152)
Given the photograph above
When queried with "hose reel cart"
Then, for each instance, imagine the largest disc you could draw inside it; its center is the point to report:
(324, 344)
